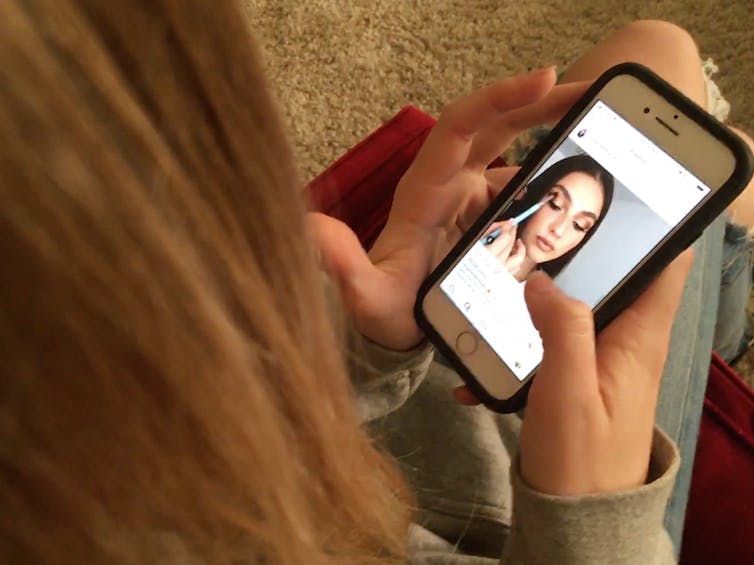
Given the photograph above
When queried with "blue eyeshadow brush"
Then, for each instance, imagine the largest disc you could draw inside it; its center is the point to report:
(516, 220)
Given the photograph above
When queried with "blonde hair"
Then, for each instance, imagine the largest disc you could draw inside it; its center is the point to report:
(172, 384)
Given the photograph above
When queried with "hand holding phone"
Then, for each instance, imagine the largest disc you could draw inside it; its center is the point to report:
(625, 182)
(439, 197)
(590, 413)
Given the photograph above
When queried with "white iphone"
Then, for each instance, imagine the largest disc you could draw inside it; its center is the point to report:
(626, 181)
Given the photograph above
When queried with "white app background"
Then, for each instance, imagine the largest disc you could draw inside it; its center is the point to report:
(476, 286)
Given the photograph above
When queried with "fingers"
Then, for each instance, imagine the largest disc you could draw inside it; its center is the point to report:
(340, 250)
(446, 150)
(498, 178)
(505, 237)
(641, 333)
(494, 226)
(491, 141)
(479, 200)
(566, 326)
(516, 257)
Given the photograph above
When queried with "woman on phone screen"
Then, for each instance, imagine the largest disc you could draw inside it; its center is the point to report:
(571, 199)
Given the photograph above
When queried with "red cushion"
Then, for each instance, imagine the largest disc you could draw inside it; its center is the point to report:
(358, 189)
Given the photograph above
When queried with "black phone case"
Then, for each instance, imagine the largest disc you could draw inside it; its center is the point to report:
(681, 240)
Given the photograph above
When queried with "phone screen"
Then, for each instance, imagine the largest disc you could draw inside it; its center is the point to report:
(603, 200)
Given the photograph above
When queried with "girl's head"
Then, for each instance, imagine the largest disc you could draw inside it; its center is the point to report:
(576, 193)
(172, 383)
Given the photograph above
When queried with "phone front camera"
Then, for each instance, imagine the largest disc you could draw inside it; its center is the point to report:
(646, 110)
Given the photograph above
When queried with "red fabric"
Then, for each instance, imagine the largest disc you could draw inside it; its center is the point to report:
(358, 189)
(720, 514)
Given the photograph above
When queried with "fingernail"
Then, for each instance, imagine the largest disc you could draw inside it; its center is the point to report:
(540, 282)
(543, 70)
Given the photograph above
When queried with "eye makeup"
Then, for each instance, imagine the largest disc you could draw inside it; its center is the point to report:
(515, 221)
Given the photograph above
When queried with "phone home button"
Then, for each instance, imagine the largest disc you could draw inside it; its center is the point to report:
(466, 343)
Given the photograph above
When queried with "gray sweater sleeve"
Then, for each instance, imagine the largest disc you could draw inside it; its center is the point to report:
(618, 528)
(623, 528)
(385, 379)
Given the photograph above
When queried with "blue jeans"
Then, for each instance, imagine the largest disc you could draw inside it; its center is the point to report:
(712, 315)
(733, 330)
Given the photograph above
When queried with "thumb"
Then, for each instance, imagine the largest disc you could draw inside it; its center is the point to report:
(340, 251)
(566, 327)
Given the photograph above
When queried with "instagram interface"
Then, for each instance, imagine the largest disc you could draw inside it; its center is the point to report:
(602, 200)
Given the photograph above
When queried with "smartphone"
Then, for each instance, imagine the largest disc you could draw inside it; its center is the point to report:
(627, 180)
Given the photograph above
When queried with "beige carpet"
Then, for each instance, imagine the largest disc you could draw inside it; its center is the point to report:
(340, 68)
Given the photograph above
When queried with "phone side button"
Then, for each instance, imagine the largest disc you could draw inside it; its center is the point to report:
(466, 343)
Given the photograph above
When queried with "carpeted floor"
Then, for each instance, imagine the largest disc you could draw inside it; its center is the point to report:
(341, 67)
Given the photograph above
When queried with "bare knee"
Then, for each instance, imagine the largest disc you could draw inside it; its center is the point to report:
(673, 36)
(664, 47)
(670, 51)
(742, 209)
(745, 136)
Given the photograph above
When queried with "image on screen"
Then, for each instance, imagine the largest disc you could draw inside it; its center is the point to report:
(603, 199)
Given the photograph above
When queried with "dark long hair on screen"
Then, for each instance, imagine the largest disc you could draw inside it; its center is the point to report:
(538, 188)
